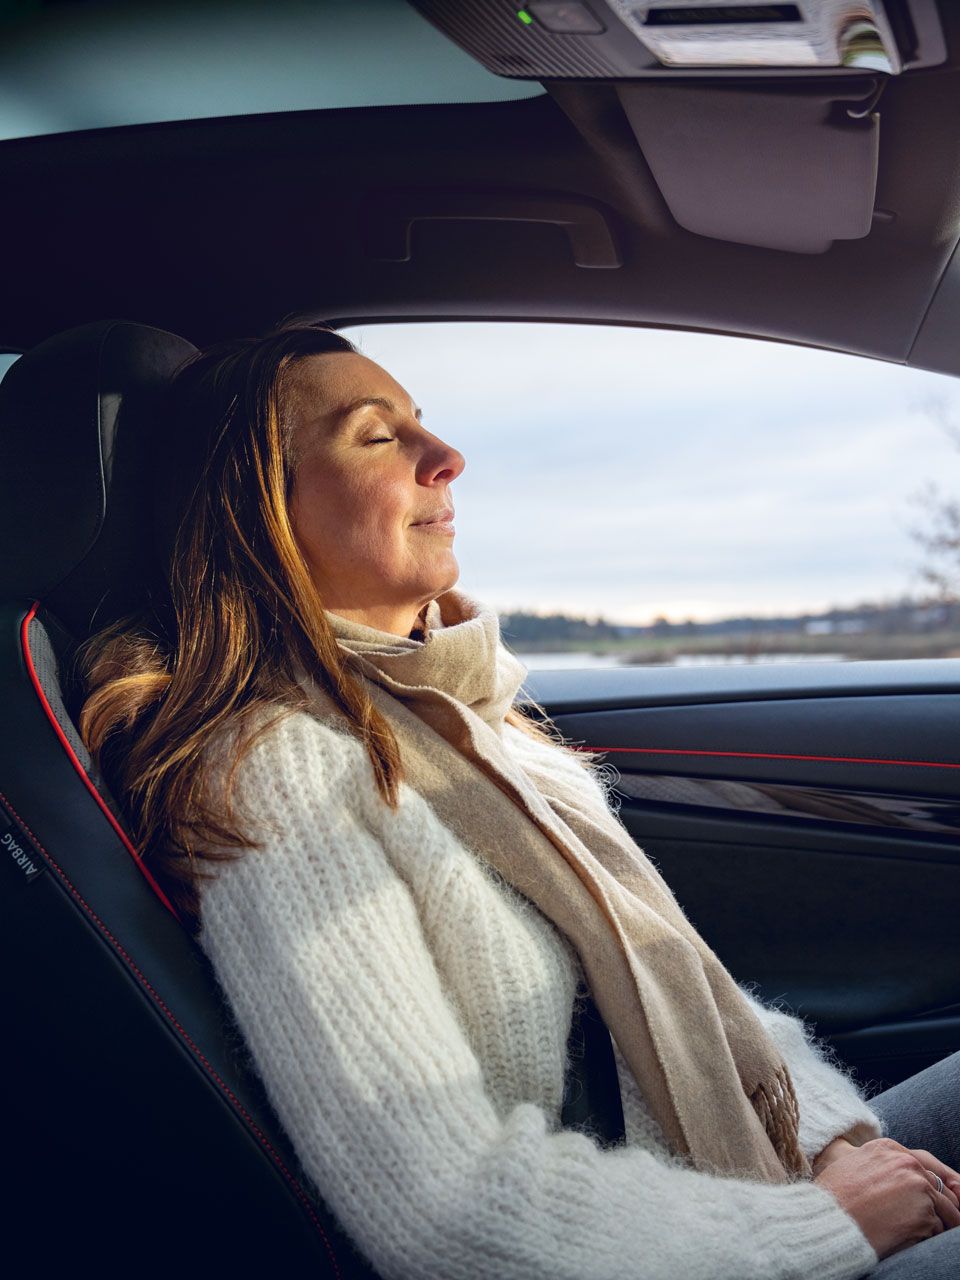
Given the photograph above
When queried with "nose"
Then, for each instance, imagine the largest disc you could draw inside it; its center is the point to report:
(440, 462)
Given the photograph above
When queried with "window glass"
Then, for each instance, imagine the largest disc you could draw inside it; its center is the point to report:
(67, 66)
(687, 498)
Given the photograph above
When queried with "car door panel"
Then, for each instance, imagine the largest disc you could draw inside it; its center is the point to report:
(811, 834)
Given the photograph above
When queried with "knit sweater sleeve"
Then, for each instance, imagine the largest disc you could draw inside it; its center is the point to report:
(319, 949)
(832, 1103)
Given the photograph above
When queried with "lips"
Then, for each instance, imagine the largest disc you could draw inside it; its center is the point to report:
(439, 517)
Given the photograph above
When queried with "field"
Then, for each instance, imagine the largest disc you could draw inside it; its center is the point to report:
(648, 650)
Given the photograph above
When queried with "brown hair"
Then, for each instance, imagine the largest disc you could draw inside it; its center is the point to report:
(220, 637)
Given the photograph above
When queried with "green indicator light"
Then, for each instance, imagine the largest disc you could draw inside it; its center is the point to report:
(524, 17)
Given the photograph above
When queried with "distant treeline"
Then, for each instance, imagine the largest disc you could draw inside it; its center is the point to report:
(517, 628)
(904, 616)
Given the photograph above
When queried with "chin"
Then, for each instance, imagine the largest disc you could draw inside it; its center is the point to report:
(444, 582)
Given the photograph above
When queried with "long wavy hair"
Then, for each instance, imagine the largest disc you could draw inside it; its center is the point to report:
(234, 612)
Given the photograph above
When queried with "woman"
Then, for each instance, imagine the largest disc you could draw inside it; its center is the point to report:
(410, 883)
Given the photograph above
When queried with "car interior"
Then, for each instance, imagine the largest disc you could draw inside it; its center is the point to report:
(786, 172)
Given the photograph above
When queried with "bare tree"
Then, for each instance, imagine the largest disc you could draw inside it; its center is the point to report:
(940, 537)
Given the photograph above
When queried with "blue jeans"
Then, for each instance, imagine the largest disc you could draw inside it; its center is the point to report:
(924, 1112)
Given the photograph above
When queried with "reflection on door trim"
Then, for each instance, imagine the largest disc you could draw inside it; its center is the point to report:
(778, 755)
(900, 812)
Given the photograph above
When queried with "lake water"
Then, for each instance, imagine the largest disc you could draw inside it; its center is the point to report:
(574, 661)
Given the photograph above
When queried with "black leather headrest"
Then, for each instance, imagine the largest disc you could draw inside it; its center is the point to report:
(77, 414)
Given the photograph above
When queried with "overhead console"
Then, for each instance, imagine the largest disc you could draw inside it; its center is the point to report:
(621, 39)
(759, 122)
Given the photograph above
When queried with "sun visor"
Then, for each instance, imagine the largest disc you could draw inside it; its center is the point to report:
(785, 165)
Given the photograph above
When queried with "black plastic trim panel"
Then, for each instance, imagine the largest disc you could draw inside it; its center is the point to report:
(820, 805)
(610, 688)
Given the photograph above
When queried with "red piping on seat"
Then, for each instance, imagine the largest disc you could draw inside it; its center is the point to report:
(774, 755)
(72, 756)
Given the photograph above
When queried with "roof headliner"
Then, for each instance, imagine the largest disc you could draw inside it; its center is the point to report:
(220, 227)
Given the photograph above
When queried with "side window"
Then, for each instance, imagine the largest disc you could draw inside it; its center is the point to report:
(657, 496)
(7, 358)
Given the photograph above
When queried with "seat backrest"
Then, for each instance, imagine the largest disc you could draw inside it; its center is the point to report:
(132, 1106)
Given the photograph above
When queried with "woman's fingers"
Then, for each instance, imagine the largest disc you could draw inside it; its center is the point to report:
(945, 1202)
(943, 1189)
(951, 1179)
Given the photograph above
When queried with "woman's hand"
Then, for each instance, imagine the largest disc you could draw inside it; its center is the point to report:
(830, 1153)
(890, 1191)
(833, 1150)
(950, 1177)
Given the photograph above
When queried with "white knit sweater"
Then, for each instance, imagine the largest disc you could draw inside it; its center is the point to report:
(408, 1012)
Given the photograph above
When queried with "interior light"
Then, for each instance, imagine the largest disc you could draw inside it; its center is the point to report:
(829, 33)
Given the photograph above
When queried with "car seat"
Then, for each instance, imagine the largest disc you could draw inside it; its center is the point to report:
(137, 1131)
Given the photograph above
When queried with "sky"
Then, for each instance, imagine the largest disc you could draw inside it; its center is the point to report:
(631, 473)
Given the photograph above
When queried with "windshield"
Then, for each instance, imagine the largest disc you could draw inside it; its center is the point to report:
(70, 66)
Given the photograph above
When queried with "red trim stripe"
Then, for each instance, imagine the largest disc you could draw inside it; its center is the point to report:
(72, 757)
(777, 755)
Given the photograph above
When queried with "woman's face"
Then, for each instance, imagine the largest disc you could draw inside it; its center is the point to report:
(365, 477)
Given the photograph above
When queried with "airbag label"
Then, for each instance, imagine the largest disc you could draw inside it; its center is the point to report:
(16, 848)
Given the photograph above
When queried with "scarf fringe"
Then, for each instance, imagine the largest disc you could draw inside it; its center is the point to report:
(779, 1112)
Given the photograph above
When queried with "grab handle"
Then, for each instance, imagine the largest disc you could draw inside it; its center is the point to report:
(387, 222)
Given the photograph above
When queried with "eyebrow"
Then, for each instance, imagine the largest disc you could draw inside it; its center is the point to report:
(380, 402)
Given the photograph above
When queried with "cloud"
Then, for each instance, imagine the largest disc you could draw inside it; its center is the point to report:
(632, 471)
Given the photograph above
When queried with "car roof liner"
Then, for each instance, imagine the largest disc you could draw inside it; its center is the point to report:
(220, 227)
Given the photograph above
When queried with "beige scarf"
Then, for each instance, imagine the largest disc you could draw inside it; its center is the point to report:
(708, 1071)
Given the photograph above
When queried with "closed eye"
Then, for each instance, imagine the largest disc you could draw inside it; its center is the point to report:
(381, 440)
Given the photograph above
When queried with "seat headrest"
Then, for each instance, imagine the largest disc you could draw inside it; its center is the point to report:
(77, 419)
